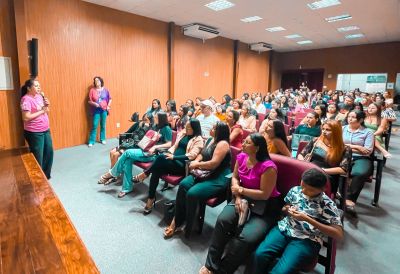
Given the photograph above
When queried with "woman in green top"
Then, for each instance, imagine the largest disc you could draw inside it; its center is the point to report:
(312, 125)
(125, 162)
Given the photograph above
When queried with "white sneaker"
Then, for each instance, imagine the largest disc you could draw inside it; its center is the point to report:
(103, 142)
(90, 145)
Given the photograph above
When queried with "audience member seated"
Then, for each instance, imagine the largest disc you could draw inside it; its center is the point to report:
(236, 136)
(274, 114)
(219, 112)
(152, 111)
(246, 120)
(329, 152)
(267, 101)
(301, 104)
(197, 110)
(124, 164)
(361, 142)
(296, 240)
(236, 105)
(259, 106)
(332, 111)
(207, 118)
(189, 103)
(172, 114)
(253, 182)
(214, 157)
(321, 110)
(343, 112)
(388, 112)
(377, 125)
(138, 131)
(182, 119)
(186, 148)
(276, 138)
(226, 102)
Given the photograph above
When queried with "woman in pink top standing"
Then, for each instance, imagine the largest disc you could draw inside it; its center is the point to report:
(253, 182)
(100, 101)
(35, 107)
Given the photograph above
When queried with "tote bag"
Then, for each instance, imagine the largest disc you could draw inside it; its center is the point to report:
(149, 140)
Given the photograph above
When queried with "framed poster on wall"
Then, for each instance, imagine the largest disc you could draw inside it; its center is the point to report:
(6, 79)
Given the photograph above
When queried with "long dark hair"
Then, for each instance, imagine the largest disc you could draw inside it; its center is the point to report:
(279, 131)
(360, 116)
(28, 84)
(195, 124)
(260, 142)
(159, 105)
(162, 119)
(222, 132)
(172, 105)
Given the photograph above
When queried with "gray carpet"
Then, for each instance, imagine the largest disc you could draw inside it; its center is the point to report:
(122, 240)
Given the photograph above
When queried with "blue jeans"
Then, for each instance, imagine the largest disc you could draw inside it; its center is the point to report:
(98, 117)
(124, 166)
(295, 254)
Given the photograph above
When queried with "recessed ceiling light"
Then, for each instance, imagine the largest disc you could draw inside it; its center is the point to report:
(338, 18)
(353, 36)
(274, 29)
(251, 19)
(304, 42)
(323, 4)
(293, 36)
(219, 5)
(349, 28)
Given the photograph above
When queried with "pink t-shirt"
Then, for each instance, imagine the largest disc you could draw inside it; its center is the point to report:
(250, 178)
(33, 105)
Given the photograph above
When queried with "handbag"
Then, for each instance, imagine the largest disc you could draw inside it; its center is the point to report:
(201, 174)
(127, 141)
(149, 140)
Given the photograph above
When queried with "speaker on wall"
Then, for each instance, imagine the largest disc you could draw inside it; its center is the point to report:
(33, 57)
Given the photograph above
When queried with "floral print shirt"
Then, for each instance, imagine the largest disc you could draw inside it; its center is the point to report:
(320, 208)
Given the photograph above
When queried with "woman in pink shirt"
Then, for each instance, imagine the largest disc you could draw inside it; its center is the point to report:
(253, 182)
(100, 101)
(35, 107)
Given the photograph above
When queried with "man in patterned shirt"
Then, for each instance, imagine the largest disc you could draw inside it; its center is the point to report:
(297, 239)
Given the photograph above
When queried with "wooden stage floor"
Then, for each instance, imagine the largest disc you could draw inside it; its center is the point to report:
(36, 234)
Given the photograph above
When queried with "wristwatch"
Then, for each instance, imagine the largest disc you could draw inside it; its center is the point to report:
(240, 190)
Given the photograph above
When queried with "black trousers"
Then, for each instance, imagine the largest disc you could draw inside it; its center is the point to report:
(162, 166)
(361, 170)
(241, 243)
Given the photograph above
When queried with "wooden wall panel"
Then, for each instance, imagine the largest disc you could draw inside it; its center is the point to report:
(84, 40)
(253, 72)
(355, 59)
(11, 134)
(194, 59)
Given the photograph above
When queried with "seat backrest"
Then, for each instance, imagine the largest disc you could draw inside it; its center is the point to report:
(287, 129)
(246, 133)
(298, 119)
(261, 117)
(258, 124)
(290, 171)
(302, 145)
(234, 153)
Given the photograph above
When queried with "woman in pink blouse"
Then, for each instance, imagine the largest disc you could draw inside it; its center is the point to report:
(253, 183)
(100, 101)
(34, 108)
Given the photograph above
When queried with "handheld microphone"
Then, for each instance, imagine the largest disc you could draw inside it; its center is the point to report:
(42, 93)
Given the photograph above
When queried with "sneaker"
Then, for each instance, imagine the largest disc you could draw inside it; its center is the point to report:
(90, 145)
(103, 142)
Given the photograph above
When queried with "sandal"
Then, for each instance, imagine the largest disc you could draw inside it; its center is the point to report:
(168, 232)
(122, 194)
(105, 178)
(205, 270)
(139, 178)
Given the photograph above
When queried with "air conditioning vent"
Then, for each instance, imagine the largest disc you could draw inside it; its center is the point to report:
(260, 47)
(200, 31)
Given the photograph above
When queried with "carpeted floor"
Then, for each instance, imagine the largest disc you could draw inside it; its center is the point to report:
(122, 240)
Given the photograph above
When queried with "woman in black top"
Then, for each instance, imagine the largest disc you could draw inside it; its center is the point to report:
(214, 156)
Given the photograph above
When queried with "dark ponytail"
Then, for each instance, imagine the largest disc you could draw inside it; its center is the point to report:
(28, 84)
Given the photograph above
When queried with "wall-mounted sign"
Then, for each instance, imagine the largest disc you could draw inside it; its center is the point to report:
(6, 79)
(390, 85)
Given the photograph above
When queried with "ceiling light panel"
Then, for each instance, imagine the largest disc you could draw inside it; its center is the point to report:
(251, 19)
(338, 18)
(304, 42)
(323, 4)
(219, 5)
(275, 29)
(349, 28)
(353, 36)
(293, 36)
